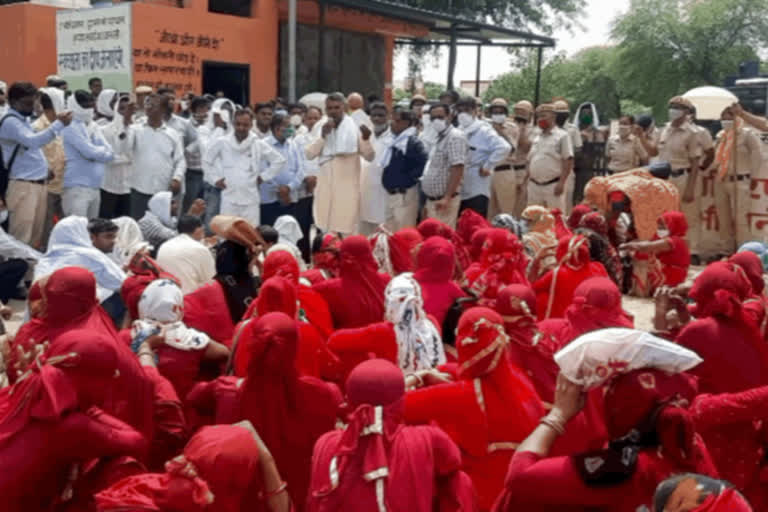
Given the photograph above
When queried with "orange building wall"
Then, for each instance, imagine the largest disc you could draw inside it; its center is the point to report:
(27, 42)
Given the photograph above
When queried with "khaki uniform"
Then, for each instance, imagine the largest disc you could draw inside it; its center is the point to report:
(678, 146)
(508, 178)
(545, 165)
(624, 154)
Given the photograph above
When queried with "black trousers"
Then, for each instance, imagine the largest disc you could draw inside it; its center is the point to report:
(271, 211)
(139, 203)
(193, 187)
(11, 273)
(303, 215)
(477, 203)
(114, 205)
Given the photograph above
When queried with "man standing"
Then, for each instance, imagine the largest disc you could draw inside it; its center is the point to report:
(22, 155)
(52, 101)
(403, 161)
(442, 180)
(523, 116)
(373, 195)
(95, 85)
(239, 163)
(506, 181)
(280, 194)
(262, 127)
(87, 153)
(486, 150)
(678, 145)
(185, 257)
(298, 113)
(339, 148)
(549, 161)
(157, 154)
(142, 93)
(418, 102)
(116, 186)
(193, 186)
(356, 110)
(311, 168)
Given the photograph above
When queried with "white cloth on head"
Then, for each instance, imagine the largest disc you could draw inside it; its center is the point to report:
(79, 113)
(57, 98)
(188, 260)
(217, 107)
(70, 246)
(12, 248)
(104, 103)
(129, 241)
(159, 205)
(288, 230)
(419, 345)
(399, 142)
(341, 141)
(161, 311)
(293, 250)
(593, 358)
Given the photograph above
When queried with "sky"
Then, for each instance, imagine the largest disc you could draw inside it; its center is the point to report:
(594, 30)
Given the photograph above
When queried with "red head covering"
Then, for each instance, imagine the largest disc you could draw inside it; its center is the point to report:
(676, 223)
(727, 501)
(277, 295)
(401, 249)
(478, 241)
(596, 222)
(561, 230)
(283, 264)
(753, 268)
(650, 400)
(517, 305)
(218, 470)
(433, 227)
(596, 305)
(469, 223)
(434, 272)
(481, 342)
(573, 252)
(502, 263)
(578, 212)
(78, 371)
(720, 290)
(327, 258)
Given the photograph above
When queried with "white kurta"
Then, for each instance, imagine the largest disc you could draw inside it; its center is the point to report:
(373, 196)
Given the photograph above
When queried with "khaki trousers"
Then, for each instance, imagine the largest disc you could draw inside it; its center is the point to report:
(27, 206)
(447, 215)
(508, 193)
(733, 200)
(402, 209)
(544, 195)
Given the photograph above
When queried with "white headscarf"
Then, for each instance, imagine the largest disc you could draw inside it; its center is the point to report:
(103, 103)
(160, 206)
(70, 246)
(161, 310)
(129, 241)
(57, 98)
(288, 230)
(84, 115)
(418, 340)
(217, 107)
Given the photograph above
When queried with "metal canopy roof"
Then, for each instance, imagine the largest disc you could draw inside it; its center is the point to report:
(441, 25)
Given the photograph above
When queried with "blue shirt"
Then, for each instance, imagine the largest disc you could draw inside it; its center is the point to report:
(291, 175)
(86, 155)
(487, 149)
(30, 163)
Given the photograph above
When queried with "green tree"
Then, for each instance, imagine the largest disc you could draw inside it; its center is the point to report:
(669, 46)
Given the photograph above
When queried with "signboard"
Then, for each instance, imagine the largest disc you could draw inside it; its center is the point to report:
(95, 42)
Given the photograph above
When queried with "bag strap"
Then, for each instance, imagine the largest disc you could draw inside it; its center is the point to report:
(15, 150)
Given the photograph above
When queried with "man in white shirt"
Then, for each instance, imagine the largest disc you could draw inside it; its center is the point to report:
(355, 105)
(303, 210)
(157, 154)
(185, 257)
(373, 196)
(262, 125)
(239, 163)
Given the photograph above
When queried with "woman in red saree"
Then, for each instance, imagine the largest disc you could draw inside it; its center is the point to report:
(289, 411)
(653, 436)
(499, 405)
(395, 253)
(595, 228)
(378, 463)
(48, 422)
(434, 272)
(698, 493)
(741, 362)
(29, 339)
(469, 223)
(596, 305)
(277, 294)
(503, 262)
(755, 305)
(326, 260)
(433, 227)
(356, 297)
(223, 469)
(578, 212)
(554, 290)
(669, 247)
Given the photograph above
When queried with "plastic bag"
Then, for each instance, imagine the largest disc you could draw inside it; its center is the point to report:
(593, 358)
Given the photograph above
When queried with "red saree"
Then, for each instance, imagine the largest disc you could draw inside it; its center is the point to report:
(675, 262)
(434, 273)
(502, 263)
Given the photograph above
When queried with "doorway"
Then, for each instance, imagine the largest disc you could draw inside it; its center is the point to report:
(231, 79)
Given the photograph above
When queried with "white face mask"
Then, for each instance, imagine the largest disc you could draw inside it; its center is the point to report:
(675, 114)
(662, 233)
(438, 125)
(727, 124)
(296, 120)
(465, 119)
(498, 118)
(184, 104)
(3, 215)
(624, 130)
(84, 114)
(425, 119)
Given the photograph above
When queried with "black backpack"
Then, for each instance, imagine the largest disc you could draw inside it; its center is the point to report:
(5, 169)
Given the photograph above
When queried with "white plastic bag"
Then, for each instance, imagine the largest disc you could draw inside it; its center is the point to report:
(593, 358)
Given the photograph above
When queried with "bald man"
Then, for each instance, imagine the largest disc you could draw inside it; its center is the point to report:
(355, 106)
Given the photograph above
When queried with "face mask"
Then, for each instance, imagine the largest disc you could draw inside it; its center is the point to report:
(561, 118)
(85, 115)
(379, 127)
(498, 118)
(184, 105)
(425, 120)
(727, 124)
(624, 130)
(26, 113)
(521, 120)
(174, 222)
(289, 132)
(296, 120)
(465, 120)
(438, 125)
(675, 114)
(662, 233)
(3, 216)
(586, 119)
(544, 124)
